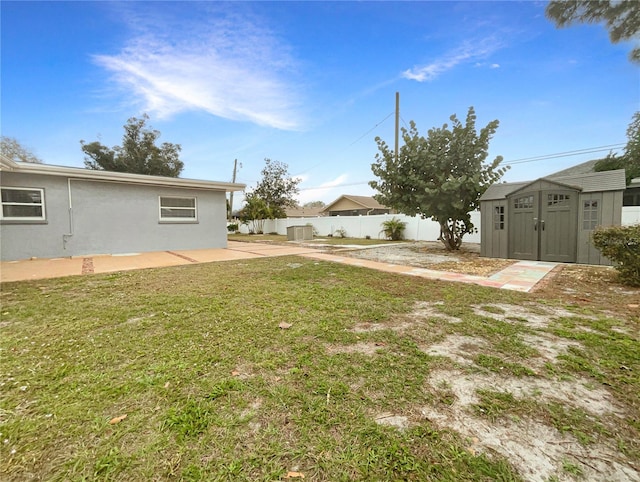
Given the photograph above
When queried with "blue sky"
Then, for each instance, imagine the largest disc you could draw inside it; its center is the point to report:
(309, 84)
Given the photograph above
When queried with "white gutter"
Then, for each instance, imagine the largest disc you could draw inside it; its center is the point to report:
(65, 237)
(96, 175)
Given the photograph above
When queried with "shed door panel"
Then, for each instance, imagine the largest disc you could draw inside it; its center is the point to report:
(557, 226)
(523, 234)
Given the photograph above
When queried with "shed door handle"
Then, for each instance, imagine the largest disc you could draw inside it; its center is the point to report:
(542, 222)
(535, 224)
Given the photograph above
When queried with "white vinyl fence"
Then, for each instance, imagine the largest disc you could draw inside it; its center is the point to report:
(363, 226)
(417, 228)
(630, 215)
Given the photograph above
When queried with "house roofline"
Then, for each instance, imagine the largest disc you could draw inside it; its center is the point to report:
(109, 176)
(327, 208)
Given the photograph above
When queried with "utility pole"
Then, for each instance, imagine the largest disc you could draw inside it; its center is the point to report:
(233, 180)
(397, 122)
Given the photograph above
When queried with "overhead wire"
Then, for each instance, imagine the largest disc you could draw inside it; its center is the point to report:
(354, 142)
(545, 157)
(577, 152)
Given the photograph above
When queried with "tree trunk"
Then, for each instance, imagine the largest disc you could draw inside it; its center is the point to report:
(448, 235)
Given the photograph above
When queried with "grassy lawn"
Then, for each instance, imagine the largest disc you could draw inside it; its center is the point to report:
(264, 369)
(277, 238)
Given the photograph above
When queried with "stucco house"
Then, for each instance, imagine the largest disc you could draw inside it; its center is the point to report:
(347, 205)
(54, 211)
(551, 218)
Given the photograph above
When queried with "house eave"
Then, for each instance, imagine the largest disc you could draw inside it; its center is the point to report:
(122, 177)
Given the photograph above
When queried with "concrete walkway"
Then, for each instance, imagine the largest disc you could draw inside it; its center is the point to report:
(520, 276)
(31, 269)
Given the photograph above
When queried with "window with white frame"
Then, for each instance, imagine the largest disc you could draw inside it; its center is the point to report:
(589, 214)
(22, 204)
(525, 202)
(178, 209)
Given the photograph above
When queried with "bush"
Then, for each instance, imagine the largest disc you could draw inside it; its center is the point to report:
(393, 229)
(232, 227)
(621, 244)
(340, 233)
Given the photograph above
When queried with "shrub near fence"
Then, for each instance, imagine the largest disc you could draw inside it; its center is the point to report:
(621, 244)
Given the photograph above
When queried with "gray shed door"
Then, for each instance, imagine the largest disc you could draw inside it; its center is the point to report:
(523, 235)
(543, 225)
(558, 231)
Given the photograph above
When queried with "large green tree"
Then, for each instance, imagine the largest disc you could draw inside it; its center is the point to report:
(621, 17)
(441, 176)
(138, 154)
(630, 158)
(12, 149)
(277, 188)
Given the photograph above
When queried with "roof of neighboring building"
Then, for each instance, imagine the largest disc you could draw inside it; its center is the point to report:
(367, 202)
(584, 168)
(589, 182)
(302, 212)
(79, 173)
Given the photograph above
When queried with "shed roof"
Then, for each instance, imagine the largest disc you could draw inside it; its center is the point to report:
(9, 165)
(367, 202)
(587, 182)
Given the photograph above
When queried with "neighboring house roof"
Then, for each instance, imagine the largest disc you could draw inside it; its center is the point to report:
(302, 212)
(589, 182)
(365, 202)
(584, 168)
(123, 177)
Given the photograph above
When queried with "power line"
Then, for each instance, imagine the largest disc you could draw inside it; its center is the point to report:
(359, 138)
(545, 157)
(589, 150)
(373, 128)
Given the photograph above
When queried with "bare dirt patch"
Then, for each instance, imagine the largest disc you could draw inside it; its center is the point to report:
(460, 349)
(536, 448)
(364, 348)
(432, 255)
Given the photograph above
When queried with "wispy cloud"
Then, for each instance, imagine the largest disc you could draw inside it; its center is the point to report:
(326, 191)
(468, 52)
(224, 64)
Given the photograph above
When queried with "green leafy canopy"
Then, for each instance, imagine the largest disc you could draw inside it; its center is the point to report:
(621, 17)
(630, 159)
(277, 188)
(138, 154)
(441, 176)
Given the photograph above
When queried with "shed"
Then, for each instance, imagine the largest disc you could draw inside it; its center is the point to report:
(55, 211)
(300, 233)
(347, 205)
(551, 218)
